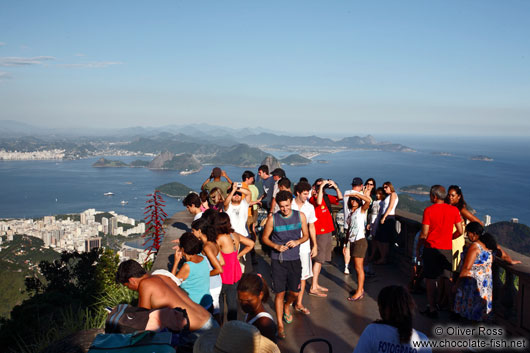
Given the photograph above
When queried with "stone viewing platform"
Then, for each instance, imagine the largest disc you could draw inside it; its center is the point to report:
(341, 322)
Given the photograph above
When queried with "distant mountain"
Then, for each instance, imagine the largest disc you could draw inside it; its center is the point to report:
(354, 142)
(239, 155)
(282, 140)
(185, 162)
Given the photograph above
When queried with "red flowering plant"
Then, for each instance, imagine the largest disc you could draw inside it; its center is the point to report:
(154, 221)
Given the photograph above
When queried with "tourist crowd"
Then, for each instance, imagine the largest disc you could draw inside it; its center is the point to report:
(213, 275)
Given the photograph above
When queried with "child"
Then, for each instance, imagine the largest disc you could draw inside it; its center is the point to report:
(252, 291)
(194, 274)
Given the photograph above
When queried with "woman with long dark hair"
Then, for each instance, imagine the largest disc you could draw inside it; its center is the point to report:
(456, 198)
(474, 287)
(396, 308)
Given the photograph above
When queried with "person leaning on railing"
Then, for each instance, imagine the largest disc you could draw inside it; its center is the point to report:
(474, 287)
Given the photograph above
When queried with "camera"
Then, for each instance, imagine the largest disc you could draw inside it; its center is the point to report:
(239, 185)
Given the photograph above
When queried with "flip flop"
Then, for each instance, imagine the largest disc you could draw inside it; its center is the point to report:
(287, 318)
(302, 310)
(318, 294)
(352, 299)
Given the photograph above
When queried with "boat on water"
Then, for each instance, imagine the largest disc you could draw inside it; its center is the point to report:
(124, 202)
(108, 193)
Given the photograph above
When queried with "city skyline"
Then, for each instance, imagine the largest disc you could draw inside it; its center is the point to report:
(442, 67)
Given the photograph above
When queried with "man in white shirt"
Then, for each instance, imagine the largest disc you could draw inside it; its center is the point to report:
(303, 191)
(236, 206)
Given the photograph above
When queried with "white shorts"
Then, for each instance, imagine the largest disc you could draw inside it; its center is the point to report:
(307, 266)
(216, 292)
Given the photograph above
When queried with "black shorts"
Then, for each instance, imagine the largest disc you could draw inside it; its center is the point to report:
(437, 263)
(286, 275)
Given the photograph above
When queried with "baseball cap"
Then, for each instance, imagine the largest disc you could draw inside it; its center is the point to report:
(357, 181)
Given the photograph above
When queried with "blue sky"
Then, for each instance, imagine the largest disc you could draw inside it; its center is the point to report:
(405, 67)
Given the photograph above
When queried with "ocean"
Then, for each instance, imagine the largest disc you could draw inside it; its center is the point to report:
(30, 189)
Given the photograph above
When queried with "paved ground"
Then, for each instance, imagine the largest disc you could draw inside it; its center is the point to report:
(333, 318)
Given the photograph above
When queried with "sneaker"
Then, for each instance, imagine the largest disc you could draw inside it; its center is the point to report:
(346, 270)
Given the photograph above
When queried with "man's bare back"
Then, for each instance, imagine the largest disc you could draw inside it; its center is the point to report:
(158, 291)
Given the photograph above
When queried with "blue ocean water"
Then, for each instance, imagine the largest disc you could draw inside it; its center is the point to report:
(499, 188)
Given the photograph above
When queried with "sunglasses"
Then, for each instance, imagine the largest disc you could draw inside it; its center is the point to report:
(371, 184)
(237, 193)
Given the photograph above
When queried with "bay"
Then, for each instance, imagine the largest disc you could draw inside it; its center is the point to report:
(30, 189)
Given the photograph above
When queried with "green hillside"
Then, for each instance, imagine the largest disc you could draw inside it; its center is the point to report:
(174, 189)
(410, 204)
(514, 236)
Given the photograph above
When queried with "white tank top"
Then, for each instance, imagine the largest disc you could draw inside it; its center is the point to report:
(385, 205)
(356, 226)
(262, 314)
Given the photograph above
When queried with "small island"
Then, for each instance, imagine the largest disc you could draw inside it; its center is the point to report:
(107, 163)
(176, 190)
(139, 163)
(444, 154)
(481, 158)
(295, 159)
(418, 189)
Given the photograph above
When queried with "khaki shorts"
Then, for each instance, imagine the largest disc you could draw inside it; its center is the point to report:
(324, 248)
(358, 248)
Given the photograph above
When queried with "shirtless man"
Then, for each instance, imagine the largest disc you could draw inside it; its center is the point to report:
(160, 291)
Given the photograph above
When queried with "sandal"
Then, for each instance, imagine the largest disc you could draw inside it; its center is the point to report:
(287, 318)
(302, 310)
(281, 335)
(352, 299)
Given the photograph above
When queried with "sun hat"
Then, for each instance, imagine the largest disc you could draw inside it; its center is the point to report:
(234, 337)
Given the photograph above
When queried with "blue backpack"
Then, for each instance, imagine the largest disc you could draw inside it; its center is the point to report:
(143, 342)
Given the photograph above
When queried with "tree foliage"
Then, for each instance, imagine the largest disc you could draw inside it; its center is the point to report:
(67, 294)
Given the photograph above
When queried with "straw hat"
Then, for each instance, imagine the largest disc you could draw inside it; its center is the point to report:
(234, 337)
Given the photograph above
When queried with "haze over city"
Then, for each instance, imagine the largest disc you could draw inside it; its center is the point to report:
(407, 67)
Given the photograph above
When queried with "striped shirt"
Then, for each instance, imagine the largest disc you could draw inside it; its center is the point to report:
(286, 229)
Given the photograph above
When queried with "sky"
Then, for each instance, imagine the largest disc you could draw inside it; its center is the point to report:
(451, 67)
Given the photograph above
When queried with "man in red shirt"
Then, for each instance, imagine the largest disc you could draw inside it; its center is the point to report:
(437, 236)
(323, 227)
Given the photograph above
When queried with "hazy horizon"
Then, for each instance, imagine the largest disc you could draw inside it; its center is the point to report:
(449, 68)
